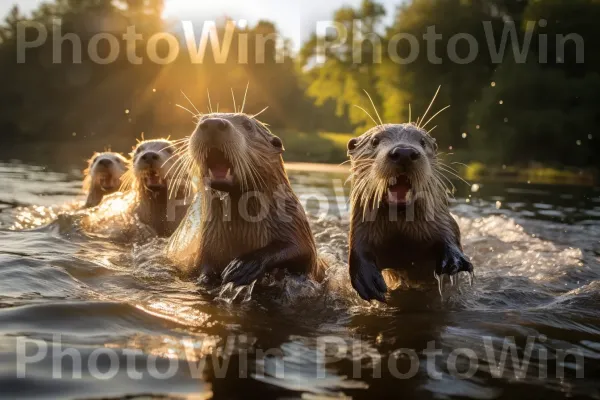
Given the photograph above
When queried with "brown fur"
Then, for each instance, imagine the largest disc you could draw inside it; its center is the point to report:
(416, 241)
(93, 184)
(228, 241)
(161, 207)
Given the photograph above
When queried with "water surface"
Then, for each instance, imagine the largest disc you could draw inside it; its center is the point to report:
(69, 296)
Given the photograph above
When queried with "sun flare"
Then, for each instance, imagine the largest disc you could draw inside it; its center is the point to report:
(183, 9)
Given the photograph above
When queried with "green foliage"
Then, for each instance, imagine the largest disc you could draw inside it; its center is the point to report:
(544, 113)
(545, 110)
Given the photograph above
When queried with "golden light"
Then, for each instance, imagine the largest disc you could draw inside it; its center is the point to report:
(181, 9)
(186, 9)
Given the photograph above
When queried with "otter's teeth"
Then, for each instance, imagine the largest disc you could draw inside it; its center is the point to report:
(210, 174)
(393, 181)
(409, 196)
(228, 176)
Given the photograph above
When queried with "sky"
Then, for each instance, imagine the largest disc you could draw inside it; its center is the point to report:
(295, 18)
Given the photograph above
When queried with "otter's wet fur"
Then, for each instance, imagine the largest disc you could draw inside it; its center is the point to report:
(250, 221)
(400, 217)
(160, 202)
(103, 176)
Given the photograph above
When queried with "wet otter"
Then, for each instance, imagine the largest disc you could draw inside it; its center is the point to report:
(160, 205)
(251, 222)
(103, 176)
(400, 218)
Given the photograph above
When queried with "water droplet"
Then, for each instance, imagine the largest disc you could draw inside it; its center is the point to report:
(154, 90)
(464, 135)
(505, 119)
(126, 111)
(468, 200)
(477, 126)
(578, 142)
(475, 188)
(74, 133)
(449, 147)
(590, 136)
(501, 102)
(493, 84)
(503, 166)
(498, 205)
(440, 281)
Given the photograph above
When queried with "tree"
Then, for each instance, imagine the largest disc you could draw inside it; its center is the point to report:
(349, 70)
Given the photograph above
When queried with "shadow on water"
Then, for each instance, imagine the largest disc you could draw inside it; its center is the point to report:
(71, 296)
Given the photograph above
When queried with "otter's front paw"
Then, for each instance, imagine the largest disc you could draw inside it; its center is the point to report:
(368, 282)
(453, 261)
(242, 272)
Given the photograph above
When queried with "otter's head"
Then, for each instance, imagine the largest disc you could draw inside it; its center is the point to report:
(104, 172)
(235, 152)
(152, 161)
(393, 164)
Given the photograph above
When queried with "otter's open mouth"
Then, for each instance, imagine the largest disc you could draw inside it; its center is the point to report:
(108, 182)
(220, 170)
(153, 180)
(400, 191)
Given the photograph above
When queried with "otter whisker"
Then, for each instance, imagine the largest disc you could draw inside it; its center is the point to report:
(245, 94)
(234, 105)
(209, 102)
(430, 104)
(447, 166)
(181, 175)
(188, 99)
(432, 129)
(175, 142)
(369, 115)
(454, 174)
(179, 166)
(435, 115)
(409, 114)
(177, 153)
(183, 108)
(260, 112)
(374, 108)
(440, 176)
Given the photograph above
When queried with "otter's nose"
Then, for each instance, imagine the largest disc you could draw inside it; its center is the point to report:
(150, 156)
(105, 162)
(403, 155)
(213, 125)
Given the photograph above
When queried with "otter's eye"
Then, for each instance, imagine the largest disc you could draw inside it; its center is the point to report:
(423, 142)
(247, 124)
(275, 141)
(352, 144)
(375, 142)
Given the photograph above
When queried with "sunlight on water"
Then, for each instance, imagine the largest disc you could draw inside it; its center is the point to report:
(99, 279)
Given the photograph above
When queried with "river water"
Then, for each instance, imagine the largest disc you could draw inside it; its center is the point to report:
(85, 315)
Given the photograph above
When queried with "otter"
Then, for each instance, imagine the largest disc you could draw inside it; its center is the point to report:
(160, 201)
(251, 223)
(103, 176)
(400, 217)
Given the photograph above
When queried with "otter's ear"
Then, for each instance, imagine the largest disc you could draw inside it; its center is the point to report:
(352, 144)
(277, 143)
